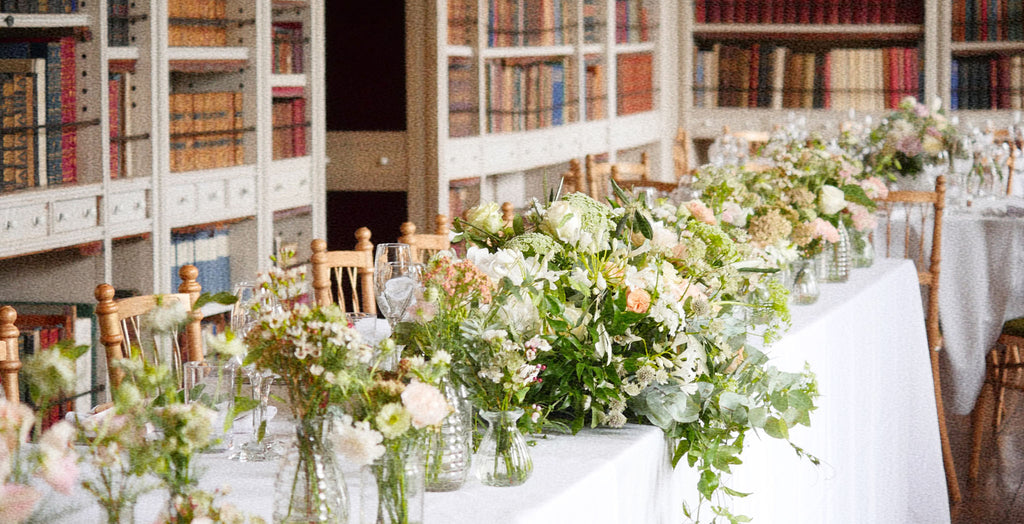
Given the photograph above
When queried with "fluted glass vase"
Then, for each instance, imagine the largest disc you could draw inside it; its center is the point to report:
(448, 450)
(310, 486)
(862, 249)
(503, 458)
(803, 286)
(837, 256)
(392, 487)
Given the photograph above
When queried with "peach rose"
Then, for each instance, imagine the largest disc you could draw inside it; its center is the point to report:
(638, 300)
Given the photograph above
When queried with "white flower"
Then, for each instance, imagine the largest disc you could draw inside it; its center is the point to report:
(486, 217)
(426, 405)
(393, 420)
(561, 220)
(316, 370)
(222, 344)
(167, 317)
(603, 344)
(441, 357)
(831, 200)
(931, 145)
(357, 443)
(495, 265)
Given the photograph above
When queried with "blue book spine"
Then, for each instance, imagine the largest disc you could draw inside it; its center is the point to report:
(970, 20)
(54, 151)
(559, 30)
(954, 85)
(224, 259)
(993, 21)
(557, 94)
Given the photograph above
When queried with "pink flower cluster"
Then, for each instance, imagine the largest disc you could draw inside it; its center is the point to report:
(825, 230)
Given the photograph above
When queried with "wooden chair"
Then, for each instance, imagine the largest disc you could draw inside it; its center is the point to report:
(574, 180)
(121, 325)
(903, 210)
(426, 245)
(1004, 371)
(682, 152)
(354, 268)
(10, 363)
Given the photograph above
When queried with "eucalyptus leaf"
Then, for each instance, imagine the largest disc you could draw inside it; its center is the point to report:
(776, 428)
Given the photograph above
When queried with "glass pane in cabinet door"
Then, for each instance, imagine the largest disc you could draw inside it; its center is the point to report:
(594, 21)
(463, 106)
(596, 87)
(461, 22)
(635, 21)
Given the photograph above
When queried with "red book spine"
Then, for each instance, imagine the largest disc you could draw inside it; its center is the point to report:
(860, 11)
(68, 104)
(700, 11)
(778, 11)
(804, 11)
(755, 9)
(889, 11)
(755, 58)
(910, 71)
(729, 11)
(299, 127)
(982, 16)
(114, 98)
(741, 11)
(714, 12)
(826, 82)
(1004, 82)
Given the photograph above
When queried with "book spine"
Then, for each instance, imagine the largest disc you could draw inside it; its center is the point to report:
(69, 105)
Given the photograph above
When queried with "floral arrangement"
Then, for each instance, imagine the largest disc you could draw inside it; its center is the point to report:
(900, 142)
(793, 204)
(648, 320)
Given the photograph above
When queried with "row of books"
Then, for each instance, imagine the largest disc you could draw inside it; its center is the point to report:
(526, 94)
(207, 130)
(631, 21)
(288, 48)
(39, 6)
(461, 22)
(987, 82)
(771, 76)
(463, 106)
(635, 83)
(289, 121)
(596, 88)
(118, 86)
(808, 12)
(196, 23)
(40, 327)
(987, 20)
(117, 23)
(523, 22)
(38, 133)
(208, 249)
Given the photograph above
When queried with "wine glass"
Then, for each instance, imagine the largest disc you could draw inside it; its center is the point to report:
(396, 285)
(244, 317)
(962, 161)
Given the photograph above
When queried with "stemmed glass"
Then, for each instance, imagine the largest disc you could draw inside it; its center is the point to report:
(962, 161)
(396, 284)
(244, 317)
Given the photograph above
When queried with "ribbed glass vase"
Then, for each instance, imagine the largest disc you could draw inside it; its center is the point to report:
(448, 450)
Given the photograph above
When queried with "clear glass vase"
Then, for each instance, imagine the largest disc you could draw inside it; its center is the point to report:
(837, 257)
(803, 286)
(392, 488)
(310, 487)
(123, 513)
(448, 450)
(862, 249)
(503, 458)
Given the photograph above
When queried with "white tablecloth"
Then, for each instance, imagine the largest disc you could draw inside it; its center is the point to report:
(875, 432)
(981, 285)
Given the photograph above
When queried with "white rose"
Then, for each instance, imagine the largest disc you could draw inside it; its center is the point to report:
(486, 217)
(931, 145)
(831, 200)
(561, 220)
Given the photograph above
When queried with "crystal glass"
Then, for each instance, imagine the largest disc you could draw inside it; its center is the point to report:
(837, 256)
(862, 250)
(449, 449)
(250, 297)
(503, 458)
(212, 383)
(961, 164)
(310, 486)
(392, 487)
(804, 287)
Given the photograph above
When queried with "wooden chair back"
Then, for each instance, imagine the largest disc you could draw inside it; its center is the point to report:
(10, 362)
(122, 326)
(426, 245)
(682, 152)
(345, 277)
(913, 227)
(574, 180)
(597, 175)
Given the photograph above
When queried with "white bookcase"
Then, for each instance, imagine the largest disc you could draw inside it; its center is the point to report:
(58, 242)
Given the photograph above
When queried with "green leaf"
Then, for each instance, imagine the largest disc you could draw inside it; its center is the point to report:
(854, 193)
(800, 400)
(619, 193)
(757, 417)
(222, 297)
(731, 492)
(643, 225)
(776, 428)
(708, 483)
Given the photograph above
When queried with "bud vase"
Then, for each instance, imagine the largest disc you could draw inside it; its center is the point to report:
(803, 288)
(503, 459)
(448, 451)
(837, 256)
(310, 486)
(862, 249)
(392, 487)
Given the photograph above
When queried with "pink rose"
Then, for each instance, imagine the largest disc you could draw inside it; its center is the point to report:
(701, 212)
(863, 220)
(17, 502)
(824, 230)
(638, 300)
(425, 404)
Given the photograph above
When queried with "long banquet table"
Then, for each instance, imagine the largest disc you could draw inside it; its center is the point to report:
(875, 432)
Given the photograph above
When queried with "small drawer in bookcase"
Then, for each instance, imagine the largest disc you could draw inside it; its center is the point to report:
(22, 222)
(181, 200)
(126, 207)
(288, 189)
(211, 196)
(71, 215)
(242, 194)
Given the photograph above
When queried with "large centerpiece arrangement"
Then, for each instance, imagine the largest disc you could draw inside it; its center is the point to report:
(907, 139)
(601, 315)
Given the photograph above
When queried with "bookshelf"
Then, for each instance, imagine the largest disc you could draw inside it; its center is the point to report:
(498, 102)
(171, 150)
(750, 63)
